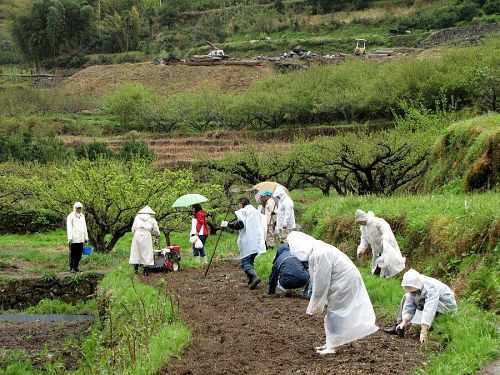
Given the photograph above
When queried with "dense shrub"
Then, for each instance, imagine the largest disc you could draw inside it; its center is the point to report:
(466, 157)
(29, 221)
(127, 103)
(134, 150)
(93, 151)
(25, 147)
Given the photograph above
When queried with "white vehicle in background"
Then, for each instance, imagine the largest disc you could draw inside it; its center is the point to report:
(218, 53)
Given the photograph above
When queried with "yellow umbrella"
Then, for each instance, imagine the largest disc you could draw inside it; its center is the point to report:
(268, 185)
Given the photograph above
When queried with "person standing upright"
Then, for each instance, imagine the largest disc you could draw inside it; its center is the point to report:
(285, 220)
(268, 208)
(144, 227)
(76, 227)
(199, 228)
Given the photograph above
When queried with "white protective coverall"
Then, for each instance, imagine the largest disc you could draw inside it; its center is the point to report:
(434, 295)
(337, 283)
(269, 210)
(252, 237)
(377, 234)
(144, 226)
(76, 226)
(285, 216)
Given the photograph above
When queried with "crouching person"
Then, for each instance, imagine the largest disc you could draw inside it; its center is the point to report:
(425, 294)
(288, 272)
(337, 285)
(251, 240)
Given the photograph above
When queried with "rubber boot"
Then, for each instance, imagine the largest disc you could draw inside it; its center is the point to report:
(197, 259)
(254, 279)
(203, 260)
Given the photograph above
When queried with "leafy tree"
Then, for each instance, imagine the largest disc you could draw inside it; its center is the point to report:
(51, 27)
(112, 192)
(127, 103)
(252, 166)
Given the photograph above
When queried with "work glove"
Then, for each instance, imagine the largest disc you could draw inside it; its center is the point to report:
(359, 252)
(224, 224)
(401, 326)
(193, 239)
(424, 334)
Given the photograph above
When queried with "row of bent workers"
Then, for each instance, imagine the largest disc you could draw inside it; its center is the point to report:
(328, 277)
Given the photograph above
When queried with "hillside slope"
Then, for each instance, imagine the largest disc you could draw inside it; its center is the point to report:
(166, 79)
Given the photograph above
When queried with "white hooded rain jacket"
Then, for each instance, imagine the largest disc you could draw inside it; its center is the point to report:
(337, 284)
(76, 226)
(434, 295)
(285, 216)
(252, 238)
(377, 234)
(144, 226)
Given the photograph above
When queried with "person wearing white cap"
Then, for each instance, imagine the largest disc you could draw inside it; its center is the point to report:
(337, 284)
(76, 228)
(425, 294)
(376, 233)
(145, 225)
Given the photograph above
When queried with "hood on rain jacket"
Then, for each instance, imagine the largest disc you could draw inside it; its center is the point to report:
(337, 284)
(252, 226)
(285, 216)
(141, 251)
(76, 227)
(377, 234)
(434, 296)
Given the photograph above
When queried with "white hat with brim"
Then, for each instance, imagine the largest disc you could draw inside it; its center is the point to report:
(147, 210)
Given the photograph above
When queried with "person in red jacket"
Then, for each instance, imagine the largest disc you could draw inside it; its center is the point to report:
(199, 228)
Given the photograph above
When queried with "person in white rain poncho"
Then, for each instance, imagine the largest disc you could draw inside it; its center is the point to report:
(268, 208)
(338, 285)
(76, 227)
(251, 240)
(387, 260)
(145, 225)
(425, 296)
(285, 216)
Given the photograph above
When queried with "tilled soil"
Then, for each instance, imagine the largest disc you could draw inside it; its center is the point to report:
(239, 331)
(34, 337)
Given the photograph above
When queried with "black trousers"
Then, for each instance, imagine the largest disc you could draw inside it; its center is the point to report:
(75, 255)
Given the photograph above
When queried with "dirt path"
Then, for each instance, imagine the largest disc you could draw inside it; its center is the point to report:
(238, 331)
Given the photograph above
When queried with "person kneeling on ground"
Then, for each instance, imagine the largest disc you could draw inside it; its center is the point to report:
(251, 240)
(141, 252)
(427, 295)
(288, 272)
(338, 285)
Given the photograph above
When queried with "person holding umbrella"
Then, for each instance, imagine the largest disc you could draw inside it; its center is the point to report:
(199, 233)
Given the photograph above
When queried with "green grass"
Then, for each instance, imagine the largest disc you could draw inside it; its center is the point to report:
(142, 324)
(56, 306)
(45, 253)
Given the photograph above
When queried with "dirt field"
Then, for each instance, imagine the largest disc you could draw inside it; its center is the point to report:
(166, 79)
(238, 331)
(34, 337)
